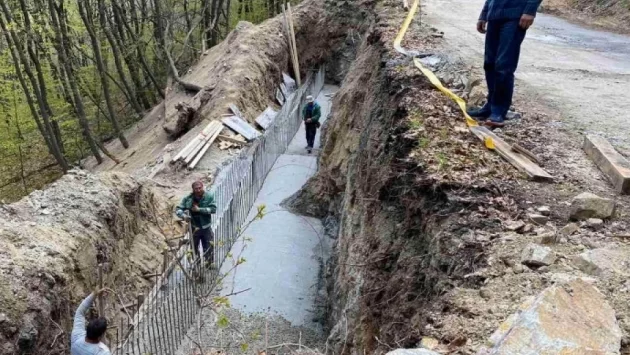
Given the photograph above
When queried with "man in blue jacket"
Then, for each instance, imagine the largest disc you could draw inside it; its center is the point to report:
(199, 207)
(505, 23)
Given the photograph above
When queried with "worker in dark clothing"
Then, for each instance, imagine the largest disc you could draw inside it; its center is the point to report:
(504, 23)
(311, 114)
(199, 207)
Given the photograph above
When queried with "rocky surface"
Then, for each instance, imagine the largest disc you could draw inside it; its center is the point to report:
(52, 241)
(537, 255)
(597, 261)
(587, 205)
(412, 352)
(566, 319)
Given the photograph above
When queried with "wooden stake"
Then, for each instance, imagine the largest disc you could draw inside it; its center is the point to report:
(101, 306)
(295, 53)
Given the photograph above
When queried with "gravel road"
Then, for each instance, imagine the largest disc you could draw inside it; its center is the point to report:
(583, 73)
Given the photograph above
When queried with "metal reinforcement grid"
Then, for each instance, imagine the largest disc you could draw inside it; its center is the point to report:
(164, 315)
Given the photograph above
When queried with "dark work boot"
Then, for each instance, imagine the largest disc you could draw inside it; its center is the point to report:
(480, 114)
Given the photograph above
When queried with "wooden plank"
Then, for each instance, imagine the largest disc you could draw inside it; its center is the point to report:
(266, 117)
(236, 111)
(279, 97)
(205, 148)
(527, 153)
(241, 127)
(518, 160)
(184, 152)
(295, 52)
(201, 139)
(215, 132)
(289, 84)
(609, 161)
(232, 140)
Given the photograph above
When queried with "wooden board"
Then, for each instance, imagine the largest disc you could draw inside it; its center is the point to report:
(236, 111)
(205, 148)
(200, 139)
(289, 84)
(216, 129)
(279, 97)
(609, 161)
(194, 142)
(518, 160)
(237, 139)
(241, 127)
(266, 118)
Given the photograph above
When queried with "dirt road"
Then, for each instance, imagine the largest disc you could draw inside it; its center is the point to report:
(582, 72)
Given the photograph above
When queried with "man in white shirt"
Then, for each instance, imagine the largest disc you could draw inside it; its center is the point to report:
(86, 340)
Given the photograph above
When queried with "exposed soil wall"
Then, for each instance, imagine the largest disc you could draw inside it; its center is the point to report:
(397, 250)
(51, 243)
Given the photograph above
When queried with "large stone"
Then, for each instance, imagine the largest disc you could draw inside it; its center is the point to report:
(595, 223)
(537, 255)
(573, 318)
(569, 229)
(412, 352)
(538, 218)
(597, 261)
(587, 205)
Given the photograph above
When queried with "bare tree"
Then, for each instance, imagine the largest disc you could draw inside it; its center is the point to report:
(96, 49)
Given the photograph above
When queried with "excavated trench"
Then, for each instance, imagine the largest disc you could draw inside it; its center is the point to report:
(396, 229)
(396, 251)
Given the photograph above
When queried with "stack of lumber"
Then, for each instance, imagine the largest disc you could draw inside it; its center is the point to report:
(198, 146)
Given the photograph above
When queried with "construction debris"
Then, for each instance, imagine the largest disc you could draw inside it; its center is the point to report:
(198, 146)
(240, 126)
(609, 161)
(266, 118)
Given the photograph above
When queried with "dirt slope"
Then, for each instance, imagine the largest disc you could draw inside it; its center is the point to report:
(51, 242)
(244, 70)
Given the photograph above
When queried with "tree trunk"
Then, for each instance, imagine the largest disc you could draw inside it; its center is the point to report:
(116, 53)
(62, 45)
(19, 57)
(96, 48)
(141, 56)
(134, 72)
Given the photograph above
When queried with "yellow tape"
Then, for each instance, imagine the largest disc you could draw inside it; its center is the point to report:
(489, 143)
(405, 26)
(429, 74)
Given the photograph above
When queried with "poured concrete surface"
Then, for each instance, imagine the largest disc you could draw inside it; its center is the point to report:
(284, 255)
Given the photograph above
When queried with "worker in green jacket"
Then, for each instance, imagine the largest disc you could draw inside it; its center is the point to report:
(311, 114)
(198, 207)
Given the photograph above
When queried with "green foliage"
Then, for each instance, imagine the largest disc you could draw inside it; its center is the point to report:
(223, 322)
(25, 162)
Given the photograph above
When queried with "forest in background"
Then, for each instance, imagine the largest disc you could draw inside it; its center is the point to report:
(74, 74)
